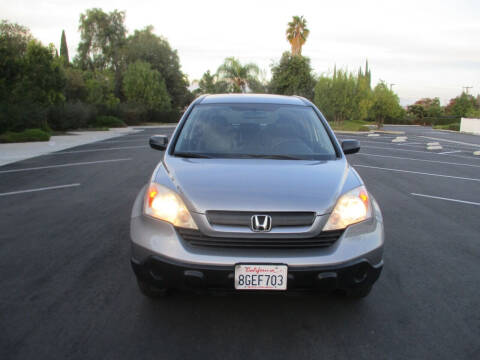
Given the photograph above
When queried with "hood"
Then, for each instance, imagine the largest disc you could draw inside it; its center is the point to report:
(260, 184)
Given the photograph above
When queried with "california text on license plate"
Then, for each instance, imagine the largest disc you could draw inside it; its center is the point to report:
(260, 277)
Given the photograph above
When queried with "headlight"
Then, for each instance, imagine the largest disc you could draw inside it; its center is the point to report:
(165, 204)
(352, 207)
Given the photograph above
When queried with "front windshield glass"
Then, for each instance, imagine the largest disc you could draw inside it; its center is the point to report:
(256, 131)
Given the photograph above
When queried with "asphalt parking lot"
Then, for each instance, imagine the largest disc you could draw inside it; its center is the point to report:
(67, 290)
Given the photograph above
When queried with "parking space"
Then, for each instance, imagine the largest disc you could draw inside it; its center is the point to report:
(67, 290)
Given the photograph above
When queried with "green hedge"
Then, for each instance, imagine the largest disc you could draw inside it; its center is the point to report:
(172, 116)
(402, 121)
(25, 136)
(109, 121)
(77, 115)
(453, 126)
(134, 114)
(443, 120)
(69, 116)
(23, 115)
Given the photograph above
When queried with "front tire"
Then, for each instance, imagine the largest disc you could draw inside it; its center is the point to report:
(152, 291)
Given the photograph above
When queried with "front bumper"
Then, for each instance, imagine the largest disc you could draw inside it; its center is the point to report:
(164, 272)
(160, 255)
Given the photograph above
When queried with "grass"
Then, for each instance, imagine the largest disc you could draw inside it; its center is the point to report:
(27, 135)
(350, 125)
(453, 126)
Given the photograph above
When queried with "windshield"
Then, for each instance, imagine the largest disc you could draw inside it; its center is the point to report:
(254, 130)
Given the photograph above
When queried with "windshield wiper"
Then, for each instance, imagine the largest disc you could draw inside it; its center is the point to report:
(191, 155)
(279, 157)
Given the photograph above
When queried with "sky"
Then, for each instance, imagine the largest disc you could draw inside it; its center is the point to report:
(425, 48)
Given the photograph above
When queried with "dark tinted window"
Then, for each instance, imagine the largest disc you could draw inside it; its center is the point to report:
(255, 130)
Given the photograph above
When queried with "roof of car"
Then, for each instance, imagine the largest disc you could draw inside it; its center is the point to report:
(252, 98)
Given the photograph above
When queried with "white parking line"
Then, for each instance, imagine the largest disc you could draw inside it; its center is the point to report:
(423, 160)
(409, 143)
(416, 151)
(447, 199)
(395, 145)
(450, 152)
(452, 141)
(100, 149)
(414, 144)
(62, 165)
(417, 172)
(39, 189)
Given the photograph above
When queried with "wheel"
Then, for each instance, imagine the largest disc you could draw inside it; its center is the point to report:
(151, 291)
(358, 292)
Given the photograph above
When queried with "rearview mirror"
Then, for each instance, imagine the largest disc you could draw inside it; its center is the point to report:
(158, 142)
(350, 146)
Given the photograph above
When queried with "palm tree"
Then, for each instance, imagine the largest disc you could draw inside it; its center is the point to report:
(238, 75)
(297, 34)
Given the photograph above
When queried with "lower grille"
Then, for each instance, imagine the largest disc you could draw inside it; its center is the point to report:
(196, 238)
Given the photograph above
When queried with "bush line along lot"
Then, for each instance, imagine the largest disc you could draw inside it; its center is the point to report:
(67, 291)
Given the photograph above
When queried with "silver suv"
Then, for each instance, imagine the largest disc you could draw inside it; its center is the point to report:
(254, 193)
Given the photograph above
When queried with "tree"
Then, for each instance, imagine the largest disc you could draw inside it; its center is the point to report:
(337, 96)
(42, 76)
(100, 88)
(461, 105)
(238, 76)
(207, 84)
(145, 46)
(14, 40)
(103, 37)
(292, 76)
(145, 86)
(297, 34)
(363, 94)
(75, 87)
(425, 107)
(31, 79)
(417, 111)
(385, 104)
(64, 50)
(210, 84)
(344, 95)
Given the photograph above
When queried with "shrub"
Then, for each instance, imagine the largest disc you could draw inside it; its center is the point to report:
(109, 121)
(400, 121)
(133, 114)
(70, 116)
(442, 120)
(172, 116)
(25, 136)
(20, 116)
(452, 126)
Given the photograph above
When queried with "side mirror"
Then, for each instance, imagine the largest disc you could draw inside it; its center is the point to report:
(158, 142)
(350, 146)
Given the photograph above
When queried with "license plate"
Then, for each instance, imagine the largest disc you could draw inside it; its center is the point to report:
(260, 277)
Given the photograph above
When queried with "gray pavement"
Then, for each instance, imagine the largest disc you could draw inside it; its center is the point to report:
(427, 131)
(67, 290)
(10, 153)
